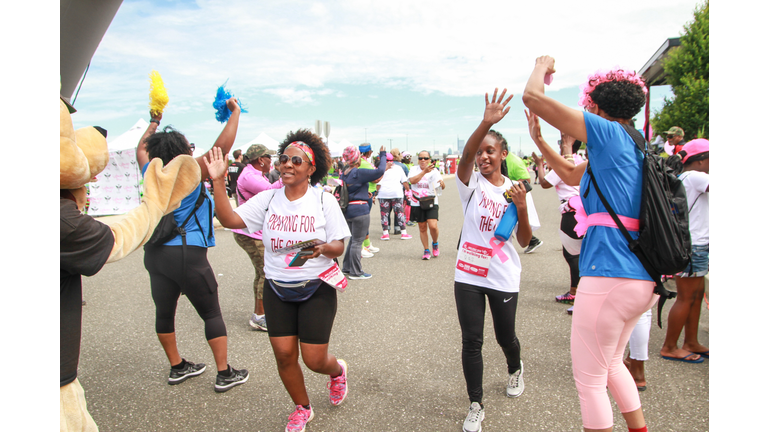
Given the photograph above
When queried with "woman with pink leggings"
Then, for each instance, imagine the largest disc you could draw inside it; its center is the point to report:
(614, 290)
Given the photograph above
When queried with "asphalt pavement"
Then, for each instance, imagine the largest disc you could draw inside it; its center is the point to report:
(398, 331)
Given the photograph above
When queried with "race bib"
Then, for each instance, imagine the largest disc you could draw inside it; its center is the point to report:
(334, 277)
(474, 259)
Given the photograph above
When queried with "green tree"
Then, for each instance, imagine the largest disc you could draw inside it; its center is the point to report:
(687, 69)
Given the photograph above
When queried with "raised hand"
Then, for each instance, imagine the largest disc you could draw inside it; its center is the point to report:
(534, 128)
(232, 103)
(548, 62)
(217, 165)
(537, 160)
(495, 109)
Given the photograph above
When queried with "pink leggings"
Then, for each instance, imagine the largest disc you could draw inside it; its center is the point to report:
(605, 312)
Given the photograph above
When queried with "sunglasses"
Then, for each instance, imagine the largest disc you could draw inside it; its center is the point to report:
(295, 160)
(424, 158)
(192, 146)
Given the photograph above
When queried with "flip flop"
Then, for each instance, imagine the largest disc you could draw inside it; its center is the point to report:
(684, 359)
(704, 354)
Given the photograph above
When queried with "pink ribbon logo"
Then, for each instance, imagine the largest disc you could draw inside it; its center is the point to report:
(496, 245)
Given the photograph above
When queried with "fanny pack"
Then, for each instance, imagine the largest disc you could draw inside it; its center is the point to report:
(294, 291)
(427, 202)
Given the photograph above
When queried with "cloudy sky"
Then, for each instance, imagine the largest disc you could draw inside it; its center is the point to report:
(410, 72)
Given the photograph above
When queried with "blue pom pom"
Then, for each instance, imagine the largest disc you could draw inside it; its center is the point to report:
(220, 104)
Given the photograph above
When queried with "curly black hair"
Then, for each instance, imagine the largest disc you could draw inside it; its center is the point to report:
(167, 144)
(322, 155)
(619, 99)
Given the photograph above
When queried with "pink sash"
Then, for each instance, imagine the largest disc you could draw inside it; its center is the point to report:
(584, 221)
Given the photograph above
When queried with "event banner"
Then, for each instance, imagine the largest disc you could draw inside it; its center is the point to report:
(117, 188)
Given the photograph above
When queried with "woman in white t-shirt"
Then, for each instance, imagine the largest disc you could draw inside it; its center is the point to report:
(486, 266)
(299, 295)
(390, 194)
(570, 240)
(690, 283)
(424, 178)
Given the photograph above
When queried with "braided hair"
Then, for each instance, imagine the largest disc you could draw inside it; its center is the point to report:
(504, 147)
(167, 144)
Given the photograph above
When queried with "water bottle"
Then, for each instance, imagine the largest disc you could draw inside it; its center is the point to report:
(438, 190)
(507, 222)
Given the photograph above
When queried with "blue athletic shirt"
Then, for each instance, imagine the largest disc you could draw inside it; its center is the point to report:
(194, 236)
(618, 166)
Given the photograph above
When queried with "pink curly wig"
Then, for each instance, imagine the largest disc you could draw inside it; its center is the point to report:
(601, 76)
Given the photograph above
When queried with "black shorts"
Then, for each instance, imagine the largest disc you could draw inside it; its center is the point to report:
(419, 215)
(310, 320)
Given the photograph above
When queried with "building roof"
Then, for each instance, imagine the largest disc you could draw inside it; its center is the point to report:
(653, 71)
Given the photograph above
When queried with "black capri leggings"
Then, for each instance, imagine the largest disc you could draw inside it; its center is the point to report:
(470, 303)
(169, 278)
(311, 320)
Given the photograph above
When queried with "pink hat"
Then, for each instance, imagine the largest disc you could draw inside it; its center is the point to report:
(390, 157)
(694, 147)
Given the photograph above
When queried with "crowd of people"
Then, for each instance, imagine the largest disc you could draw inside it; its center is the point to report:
(294, 231)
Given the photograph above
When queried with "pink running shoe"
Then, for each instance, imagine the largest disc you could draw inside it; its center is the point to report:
(297, 421)
(406, 237)
(427, 255)
(566, 298)
(338, 385)
(385, 236)
(435, 250)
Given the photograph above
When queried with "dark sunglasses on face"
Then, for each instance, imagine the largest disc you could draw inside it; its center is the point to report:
(424, 158)
(296, 160)
(192, 146)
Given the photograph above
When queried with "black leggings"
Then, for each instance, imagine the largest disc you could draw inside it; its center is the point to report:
(197, 282)
(470, 304)
(568, 226)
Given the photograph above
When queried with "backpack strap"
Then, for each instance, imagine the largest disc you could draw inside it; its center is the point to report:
(183, 231)
(465, 215)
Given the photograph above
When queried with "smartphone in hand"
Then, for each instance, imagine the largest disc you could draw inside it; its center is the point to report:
(300, 259)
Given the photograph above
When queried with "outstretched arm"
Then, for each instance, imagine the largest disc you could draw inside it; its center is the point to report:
(142, 157)
(570, 174)
(225, 140)
(216, 167)
(494, 112)
(563, 118)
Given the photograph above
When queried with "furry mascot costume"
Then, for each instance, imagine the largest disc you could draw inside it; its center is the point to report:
(87, 244)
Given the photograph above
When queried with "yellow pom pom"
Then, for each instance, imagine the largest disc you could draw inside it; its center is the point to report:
(158, 97)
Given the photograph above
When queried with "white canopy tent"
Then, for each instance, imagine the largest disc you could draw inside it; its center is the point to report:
(335, 148)
(130, 138)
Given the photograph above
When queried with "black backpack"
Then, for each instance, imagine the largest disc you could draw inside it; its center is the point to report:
(664, 244)
(342, 195)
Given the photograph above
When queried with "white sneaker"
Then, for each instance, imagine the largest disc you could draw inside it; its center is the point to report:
(373, 249)
(515, 385)
(366, 254)
(474, 418)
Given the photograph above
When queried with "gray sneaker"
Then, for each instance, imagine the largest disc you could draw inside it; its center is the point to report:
(258, 323)
(515, 385)
(474, 418)
(178, 376)
(533, 247)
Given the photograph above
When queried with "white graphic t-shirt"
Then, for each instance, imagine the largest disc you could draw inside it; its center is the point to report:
(484, 260)
(288, 222)
(426, 186)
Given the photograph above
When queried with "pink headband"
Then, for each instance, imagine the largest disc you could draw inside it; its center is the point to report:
(602, 76)
(306, 149)
(694, 147)
(351, 154)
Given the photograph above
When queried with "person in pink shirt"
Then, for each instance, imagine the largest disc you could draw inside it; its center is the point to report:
(253, 179)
